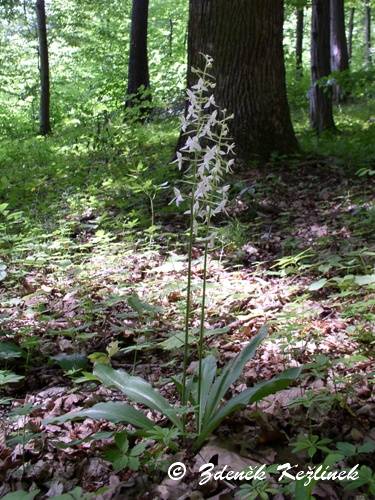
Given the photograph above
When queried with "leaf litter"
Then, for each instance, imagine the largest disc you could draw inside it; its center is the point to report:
(304, 270)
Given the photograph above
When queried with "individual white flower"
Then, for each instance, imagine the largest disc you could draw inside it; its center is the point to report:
(209, 60)
(201, 169)
(220, 207)
(203, 187)
(230, 149)
(211, 123)
(184, 124)
(192, 98)
(200, 86)
(230, 164)
(178, 196)
(192, 144)
(179, 160)
(210, 102)
(210, 155)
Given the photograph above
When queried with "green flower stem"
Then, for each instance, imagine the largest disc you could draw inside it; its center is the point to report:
(188, 307)
(202, 318)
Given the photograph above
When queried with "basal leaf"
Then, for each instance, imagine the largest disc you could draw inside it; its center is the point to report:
(137, 390)
(112, 411)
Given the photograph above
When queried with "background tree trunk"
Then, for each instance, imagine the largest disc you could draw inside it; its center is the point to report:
(321, 115)
(44, 109)
(138, 74)
(339, 47)
(245, 38)
(350, 33)
(299, 42)
(368, 58)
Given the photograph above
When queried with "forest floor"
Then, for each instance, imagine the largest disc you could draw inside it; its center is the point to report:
(296, 254)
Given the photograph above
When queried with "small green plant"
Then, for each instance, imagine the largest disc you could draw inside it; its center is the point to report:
(165, 436)
(293, 264)
(8, 377)
(122, 456)
(366, 481)
(140, 183)
(351, 450)
(311, 444)
(105, 357)
(317, 403)
(257, 489)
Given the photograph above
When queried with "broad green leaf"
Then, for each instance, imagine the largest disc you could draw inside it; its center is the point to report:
(137, 390)
(231, 373)
(208, 375)
(98, 436)
(76, 494)
(177, 339)
(21, 495)
(121, 440)
(317, 285)
(112, 411)
(251, 395)
(366, 279)
(347, 449)
(142, 307)
(138, 347)
(367, 447)
(71, 361)
(138, 449)
(8, 350)
(8, 377)
(23, 438)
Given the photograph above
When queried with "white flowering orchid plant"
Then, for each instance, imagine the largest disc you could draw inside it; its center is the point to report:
(205, 159)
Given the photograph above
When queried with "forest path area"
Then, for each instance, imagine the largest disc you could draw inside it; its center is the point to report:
(303, 265)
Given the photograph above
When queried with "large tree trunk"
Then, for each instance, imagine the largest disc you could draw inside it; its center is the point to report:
(44, 110)
(339, 47)
(138, 93)
(321, 115)
(245, 38)
(368, 58)
(350, 33)
(299, 41)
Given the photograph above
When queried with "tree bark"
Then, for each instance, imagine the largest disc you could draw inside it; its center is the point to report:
(368, 58)
(44, 109)
(245, 38)
(138, 93)
(321, 115)
(350, 33)
(299, 42)
(339, 47)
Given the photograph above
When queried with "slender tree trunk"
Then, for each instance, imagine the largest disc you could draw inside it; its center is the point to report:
(339, 47)
(44, 113)
(299, 42)
(350, 33)
(321, 115)
(245, 38)
(368, 57)
(138, 93)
